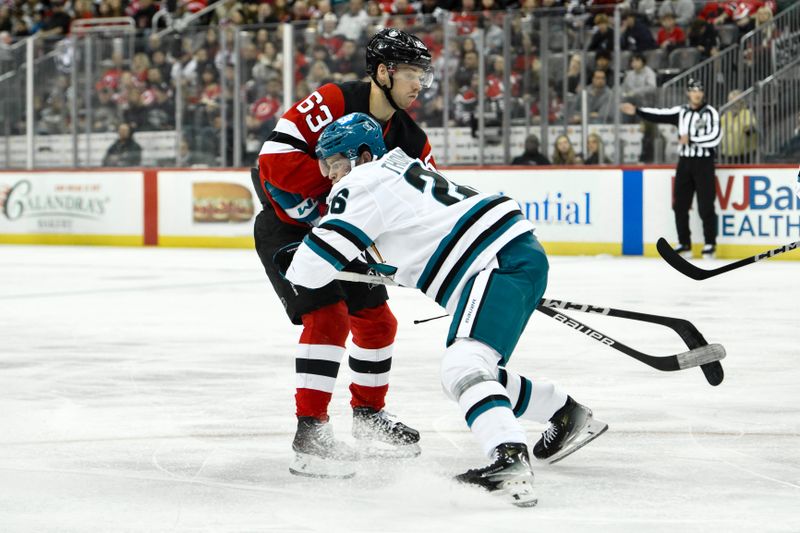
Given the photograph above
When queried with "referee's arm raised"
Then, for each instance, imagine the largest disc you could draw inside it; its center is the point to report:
(666, 115)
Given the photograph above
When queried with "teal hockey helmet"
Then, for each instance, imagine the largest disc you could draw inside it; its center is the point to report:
(349, 135)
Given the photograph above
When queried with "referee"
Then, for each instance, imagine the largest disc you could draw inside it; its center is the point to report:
(700, 133)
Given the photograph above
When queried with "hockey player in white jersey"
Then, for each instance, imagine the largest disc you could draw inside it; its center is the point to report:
(476, 255)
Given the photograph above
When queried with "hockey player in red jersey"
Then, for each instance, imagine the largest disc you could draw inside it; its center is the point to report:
(293, 191)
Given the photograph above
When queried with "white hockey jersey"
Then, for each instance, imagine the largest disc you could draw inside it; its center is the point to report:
(437, 234)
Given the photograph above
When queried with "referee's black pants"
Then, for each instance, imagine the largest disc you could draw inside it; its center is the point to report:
(695, 174)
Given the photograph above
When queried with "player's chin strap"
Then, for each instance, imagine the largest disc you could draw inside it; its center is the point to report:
(387, 91)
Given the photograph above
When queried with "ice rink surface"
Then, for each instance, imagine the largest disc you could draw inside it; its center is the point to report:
(152, 390)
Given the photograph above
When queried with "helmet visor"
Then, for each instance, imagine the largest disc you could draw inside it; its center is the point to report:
(412, 73)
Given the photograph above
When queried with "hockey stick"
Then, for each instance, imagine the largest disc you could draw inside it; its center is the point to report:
(700, 354)
(688, 269)
(690, 335)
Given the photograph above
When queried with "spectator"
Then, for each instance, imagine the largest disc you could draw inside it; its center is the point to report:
(465, 20)
(603, 36)
(83, 10)
(223, 11)
(125, 152)
(647, 10)
(744, 20)
(564, 153)
(531, 156)
(763, 19)
(670, 36)
(598, 100)
(54, 117)
(144, 15)
(318, 75)
(265, 14)
(555, 108)
(105, 117)
(703, 36)
(265, 112)
(731, 11)
(159, 61)
(640, 80)
(352, 22)
(135, 112)
(348, 60)
(159, 108)
(602, 61)
(192, 158)
(467, 69)
(739, 137)
(327, 35)
(58, 23)
(211, 42)
(682, 10)
(711, 11)
(574, 74)
(375, 15)
(321, 52)
(636, 36)
(432, 12)
(595, 151)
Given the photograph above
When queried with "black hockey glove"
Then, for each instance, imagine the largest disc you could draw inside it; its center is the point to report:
(283, 257)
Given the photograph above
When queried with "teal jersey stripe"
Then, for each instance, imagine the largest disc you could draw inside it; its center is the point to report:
(323, 254)
(459, 313)
(466, 262)
(456, 231)
(357, 233)
(485, 407)
(525, 387)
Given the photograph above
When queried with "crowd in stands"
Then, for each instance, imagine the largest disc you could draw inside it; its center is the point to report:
(139, 88)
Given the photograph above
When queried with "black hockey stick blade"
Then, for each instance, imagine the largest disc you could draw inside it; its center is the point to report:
(690, 335)
(694, 357)
(696, 273)
(713, 372)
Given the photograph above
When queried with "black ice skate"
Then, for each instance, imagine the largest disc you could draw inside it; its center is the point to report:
(510, 472)
(684, 250)
(318, 453)
(372, 427)
(571, 428)
(709, 251)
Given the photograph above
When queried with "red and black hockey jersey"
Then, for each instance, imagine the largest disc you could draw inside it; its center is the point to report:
(289, 172)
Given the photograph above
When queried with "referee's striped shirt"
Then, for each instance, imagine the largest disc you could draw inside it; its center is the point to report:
(701, 125)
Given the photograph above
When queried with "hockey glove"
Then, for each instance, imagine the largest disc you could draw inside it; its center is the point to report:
(283, 257)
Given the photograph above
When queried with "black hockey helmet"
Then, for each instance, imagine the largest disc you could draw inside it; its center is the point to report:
(393, 47)
(694, 85)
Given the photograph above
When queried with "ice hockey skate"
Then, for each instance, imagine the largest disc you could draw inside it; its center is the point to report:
(318, 453)
(709, 251)
(571, 428)
(379, 435)
(683, 250)
(510, 472)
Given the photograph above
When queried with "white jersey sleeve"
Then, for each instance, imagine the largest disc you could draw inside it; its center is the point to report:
(351, 226)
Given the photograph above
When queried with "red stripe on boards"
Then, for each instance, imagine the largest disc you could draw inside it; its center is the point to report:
(150, 208)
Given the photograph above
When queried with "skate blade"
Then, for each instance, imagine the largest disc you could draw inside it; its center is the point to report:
(380, 450)
(312, 466)
(521, 492)
(590, 431)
